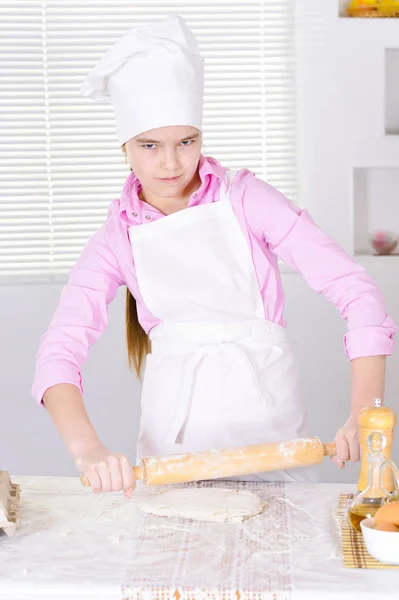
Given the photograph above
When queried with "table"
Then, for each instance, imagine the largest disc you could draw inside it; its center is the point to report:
(72, 543)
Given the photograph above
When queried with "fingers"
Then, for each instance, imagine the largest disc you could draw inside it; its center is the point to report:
(129, 482)
(129, 493)
(112, 474)
(342, 447)
(90, 471)
(348, 449)
(338, 462)
(354, 447)
(104, 472)
(114, 467)
(342, 450)
(95, 480)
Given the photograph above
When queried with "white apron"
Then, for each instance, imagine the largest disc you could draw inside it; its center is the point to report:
(219, 374)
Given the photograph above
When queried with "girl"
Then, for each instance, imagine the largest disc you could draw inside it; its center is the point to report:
(197, 247)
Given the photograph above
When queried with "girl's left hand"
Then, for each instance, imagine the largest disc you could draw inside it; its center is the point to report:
(347, 441)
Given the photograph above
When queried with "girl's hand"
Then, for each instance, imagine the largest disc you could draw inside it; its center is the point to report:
(347, 440)
(107, 471)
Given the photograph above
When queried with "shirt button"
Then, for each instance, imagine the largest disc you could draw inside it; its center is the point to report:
(135, 214)
(148, 217)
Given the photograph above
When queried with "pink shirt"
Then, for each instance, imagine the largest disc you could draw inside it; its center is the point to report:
(274, 228)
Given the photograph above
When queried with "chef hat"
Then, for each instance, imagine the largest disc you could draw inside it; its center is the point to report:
(153, 76)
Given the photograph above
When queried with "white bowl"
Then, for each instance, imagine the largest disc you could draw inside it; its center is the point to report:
(382, 545)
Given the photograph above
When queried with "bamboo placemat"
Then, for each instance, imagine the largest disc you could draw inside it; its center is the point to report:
(353, 546)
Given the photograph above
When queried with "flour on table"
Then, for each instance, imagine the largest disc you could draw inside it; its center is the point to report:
(204, 504)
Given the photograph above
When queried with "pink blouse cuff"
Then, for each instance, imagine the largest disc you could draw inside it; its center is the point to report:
(57, 372)
(369, 341)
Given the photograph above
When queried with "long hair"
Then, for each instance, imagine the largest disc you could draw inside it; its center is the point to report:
(138, 342)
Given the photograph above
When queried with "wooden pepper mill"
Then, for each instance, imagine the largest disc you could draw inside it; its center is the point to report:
(382, 419)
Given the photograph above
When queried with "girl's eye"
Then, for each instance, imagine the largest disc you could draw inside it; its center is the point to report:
(152, 146)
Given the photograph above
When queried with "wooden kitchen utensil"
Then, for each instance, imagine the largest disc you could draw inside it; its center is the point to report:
(214, 464)
(9, 504)
(380, 419)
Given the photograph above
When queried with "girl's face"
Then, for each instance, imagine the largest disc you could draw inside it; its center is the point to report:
(165, 160)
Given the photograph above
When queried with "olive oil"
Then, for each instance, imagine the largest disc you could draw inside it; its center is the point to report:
(364, 510)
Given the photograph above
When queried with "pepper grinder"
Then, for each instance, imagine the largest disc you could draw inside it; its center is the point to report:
(379, 419)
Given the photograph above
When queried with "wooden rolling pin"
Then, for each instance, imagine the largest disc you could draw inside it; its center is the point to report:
(182, 468)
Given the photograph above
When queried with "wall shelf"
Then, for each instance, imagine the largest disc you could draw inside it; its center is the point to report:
(375, 207)
(378, 257)
(369, 25)
(392, 91)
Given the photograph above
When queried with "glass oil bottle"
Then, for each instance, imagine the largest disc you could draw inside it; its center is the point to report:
(366, 504)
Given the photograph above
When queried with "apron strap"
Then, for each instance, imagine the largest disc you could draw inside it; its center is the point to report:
(226, 186)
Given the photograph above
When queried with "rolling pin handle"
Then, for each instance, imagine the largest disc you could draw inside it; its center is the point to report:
(137, 472)
(330, 449)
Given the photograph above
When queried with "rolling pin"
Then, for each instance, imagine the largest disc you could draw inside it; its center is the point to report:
(214, 464)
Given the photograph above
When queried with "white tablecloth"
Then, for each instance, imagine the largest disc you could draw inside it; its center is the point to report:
(73, 544)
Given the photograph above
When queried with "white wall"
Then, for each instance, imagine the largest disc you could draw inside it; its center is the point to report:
(341, 127)
(28, 441)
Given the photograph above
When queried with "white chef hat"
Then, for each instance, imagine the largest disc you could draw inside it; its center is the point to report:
(154, 77)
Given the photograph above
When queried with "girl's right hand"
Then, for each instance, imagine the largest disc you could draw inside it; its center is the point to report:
(107, 471)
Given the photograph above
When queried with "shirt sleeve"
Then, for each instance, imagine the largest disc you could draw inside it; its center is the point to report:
(80, 318)
(294, 237)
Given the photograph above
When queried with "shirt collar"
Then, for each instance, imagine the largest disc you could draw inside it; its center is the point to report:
(133, 209)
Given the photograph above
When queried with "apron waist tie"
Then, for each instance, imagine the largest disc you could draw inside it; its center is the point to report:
(191, 373)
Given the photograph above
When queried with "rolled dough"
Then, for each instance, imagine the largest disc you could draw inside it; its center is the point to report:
(204, 504)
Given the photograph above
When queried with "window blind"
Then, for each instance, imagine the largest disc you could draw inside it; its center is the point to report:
(60, 162)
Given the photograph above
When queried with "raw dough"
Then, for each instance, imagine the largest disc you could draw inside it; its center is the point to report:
(204, 504)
